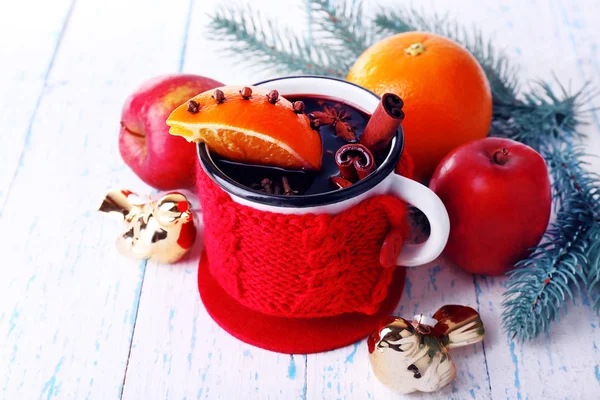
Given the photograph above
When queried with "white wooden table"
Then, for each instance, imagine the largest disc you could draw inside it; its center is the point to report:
(78, 321)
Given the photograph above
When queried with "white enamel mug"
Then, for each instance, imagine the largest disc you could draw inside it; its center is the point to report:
(382, 181)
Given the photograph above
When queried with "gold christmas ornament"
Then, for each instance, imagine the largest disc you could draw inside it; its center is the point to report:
(408, 356)
(161, 230)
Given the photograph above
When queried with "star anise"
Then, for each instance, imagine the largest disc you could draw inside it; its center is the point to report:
(327, 117)
(331, 116)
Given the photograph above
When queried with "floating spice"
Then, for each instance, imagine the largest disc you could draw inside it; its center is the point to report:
(267, 185)
(354, 161)
(331, 116)
(384, 123)
(274, 186)
(287, 189)
(325, 117)
(345, 131)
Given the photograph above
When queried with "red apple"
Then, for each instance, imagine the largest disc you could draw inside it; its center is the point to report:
(161, 160)
(498, 196)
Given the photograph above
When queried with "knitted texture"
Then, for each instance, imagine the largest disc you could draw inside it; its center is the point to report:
(299, 266)
(291, 335)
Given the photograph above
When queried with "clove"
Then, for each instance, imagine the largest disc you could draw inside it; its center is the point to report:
(219, 96)
(246, 93)
(298, 107)
(193, 106)
(273, 96)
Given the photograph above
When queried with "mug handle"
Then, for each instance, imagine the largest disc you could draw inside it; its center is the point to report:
(430, 204)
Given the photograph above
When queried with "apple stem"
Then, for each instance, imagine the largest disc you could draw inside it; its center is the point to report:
(501, 156)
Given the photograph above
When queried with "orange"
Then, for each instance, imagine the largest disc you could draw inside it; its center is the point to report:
(251, 130)
(447, 98)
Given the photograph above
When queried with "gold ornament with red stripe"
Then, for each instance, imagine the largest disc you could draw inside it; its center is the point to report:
(409, 356)
(161, 230)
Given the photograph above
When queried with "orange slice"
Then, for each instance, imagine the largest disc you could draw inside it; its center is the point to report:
(251, 129)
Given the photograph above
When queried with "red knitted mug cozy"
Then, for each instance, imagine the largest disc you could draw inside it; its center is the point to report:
(298, 268)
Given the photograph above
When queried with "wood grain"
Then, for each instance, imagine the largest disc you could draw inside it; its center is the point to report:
(69, 302)
(346, 372)
(27, 52)
(78, 321)
(552, 366)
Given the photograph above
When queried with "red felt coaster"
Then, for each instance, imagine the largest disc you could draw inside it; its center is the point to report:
(291, 335)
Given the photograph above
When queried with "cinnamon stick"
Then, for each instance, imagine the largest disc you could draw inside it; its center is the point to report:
(384, 123)
(354, 161)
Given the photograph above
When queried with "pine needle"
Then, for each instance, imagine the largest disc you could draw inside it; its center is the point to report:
(261, 44)
(542, 283)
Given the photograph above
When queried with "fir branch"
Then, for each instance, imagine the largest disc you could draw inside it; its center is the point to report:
(574, 186)
(540, 284)
(538, 288)
(593, 273)
(540, 117)
(254, 42)
(579, 190)
(341, 28)
(390, 22)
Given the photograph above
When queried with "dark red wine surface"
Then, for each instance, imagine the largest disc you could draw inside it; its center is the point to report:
(304, 182)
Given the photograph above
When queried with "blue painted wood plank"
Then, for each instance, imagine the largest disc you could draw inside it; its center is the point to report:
(27, 53)
(71, 297)
(144, 263)
(587, 74)
(541, 367)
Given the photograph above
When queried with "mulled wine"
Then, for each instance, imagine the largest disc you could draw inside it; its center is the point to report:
(338, 124)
